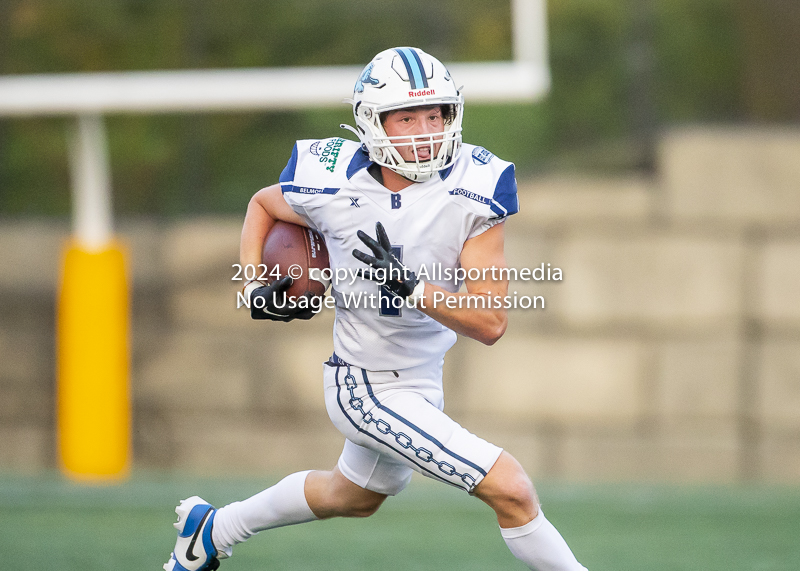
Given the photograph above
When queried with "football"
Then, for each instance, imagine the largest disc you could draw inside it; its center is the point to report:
(295, 250)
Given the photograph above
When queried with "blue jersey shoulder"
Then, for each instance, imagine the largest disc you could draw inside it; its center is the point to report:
(487, 180)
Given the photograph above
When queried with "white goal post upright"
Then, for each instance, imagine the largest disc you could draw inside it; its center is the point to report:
(92, 216)
(93, 385)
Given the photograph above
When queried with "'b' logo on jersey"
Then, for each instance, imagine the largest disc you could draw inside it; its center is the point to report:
(395, 201)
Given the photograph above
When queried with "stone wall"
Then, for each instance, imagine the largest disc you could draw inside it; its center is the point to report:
(670, 350)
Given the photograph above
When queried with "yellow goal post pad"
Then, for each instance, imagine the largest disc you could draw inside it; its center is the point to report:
(93, 393)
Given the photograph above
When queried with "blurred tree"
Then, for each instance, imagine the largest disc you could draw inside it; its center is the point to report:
(771, 54)
(588, 70)
(621, 70)
(698, 61)
(194, 192)
(643, 116)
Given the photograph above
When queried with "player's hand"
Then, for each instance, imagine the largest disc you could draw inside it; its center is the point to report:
(268, 301)
(398, 278)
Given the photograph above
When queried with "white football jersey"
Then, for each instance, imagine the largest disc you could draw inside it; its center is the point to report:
(326, 182)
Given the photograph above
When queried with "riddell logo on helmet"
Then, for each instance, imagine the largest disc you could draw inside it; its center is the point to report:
(422, 92)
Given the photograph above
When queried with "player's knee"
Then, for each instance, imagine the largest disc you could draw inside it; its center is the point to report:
(364, 507)
(510, 494)
(518, 494)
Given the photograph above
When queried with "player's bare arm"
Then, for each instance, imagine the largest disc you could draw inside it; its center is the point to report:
(265, 208)
(484, 325)
(476, 320)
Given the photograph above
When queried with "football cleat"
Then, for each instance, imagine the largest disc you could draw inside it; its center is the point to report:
(194, 550)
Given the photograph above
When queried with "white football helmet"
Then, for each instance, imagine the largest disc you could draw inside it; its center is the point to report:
(407, 77)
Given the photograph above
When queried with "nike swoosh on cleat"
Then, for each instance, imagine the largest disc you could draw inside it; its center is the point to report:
(190, 550)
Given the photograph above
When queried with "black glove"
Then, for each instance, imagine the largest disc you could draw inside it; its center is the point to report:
(272, 295)
(398, 278)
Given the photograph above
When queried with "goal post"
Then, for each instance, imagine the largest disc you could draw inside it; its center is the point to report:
(92, 340)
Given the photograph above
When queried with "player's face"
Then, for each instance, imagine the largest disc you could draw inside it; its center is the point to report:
(417, 122)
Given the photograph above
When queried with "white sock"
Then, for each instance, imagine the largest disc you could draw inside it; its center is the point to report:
(539, 545)
(282, 504)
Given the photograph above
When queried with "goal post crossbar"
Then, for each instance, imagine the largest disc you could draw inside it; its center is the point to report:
(242, 90)
(525, 78)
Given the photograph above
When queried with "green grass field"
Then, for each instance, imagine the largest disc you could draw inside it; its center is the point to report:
(49, 524)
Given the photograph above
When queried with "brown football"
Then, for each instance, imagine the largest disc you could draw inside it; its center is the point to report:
(295, 250)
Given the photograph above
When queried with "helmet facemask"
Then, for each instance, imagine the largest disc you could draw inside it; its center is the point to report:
(443, 148)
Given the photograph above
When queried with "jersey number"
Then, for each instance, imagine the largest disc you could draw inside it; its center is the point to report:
(386, 308)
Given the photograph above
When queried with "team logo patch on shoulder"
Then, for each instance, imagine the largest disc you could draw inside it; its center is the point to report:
(481, 156)
(330, 153)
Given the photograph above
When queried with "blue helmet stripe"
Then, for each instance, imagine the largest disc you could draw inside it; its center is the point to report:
(420, 67)
(416, 74)
(411, 76)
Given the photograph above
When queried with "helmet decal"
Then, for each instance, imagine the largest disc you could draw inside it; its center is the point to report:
(365, 78)
(416, 73)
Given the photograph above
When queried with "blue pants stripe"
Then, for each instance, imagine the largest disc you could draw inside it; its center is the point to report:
(376, 439)
(419, 430)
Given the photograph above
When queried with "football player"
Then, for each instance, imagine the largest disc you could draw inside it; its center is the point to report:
(409, 196)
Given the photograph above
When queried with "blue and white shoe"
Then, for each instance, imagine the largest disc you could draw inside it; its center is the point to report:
(194, 550)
